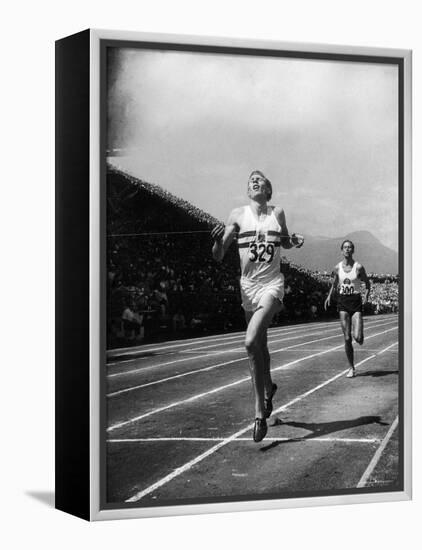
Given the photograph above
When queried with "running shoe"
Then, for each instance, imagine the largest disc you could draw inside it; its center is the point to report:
(260, 429)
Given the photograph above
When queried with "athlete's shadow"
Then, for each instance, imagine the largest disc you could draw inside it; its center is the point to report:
(376, 373)
(322, 429)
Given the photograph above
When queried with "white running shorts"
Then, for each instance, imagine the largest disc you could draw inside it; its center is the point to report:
(252, 292)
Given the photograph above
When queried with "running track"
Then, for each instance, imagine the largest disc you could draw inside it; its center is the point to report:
(180, 417)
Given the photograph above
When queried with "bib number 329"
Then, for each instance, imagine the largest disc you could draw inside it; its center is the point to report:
(262, 252)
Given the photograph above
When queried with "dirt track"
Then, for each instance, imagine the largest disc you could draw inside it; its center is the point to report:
(180, 414)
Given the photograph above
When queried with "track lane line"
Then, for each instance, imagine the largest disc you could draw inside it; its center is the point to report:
(237, 334)
(198, 340)
(237, 382)
(237, 350)
(276, 338)
(375, 459)
(240, 337)
(204, 339)
(218, 365)
(199, 439)
(188, 465)
(274, 334)
(275, 331)
(222, 352)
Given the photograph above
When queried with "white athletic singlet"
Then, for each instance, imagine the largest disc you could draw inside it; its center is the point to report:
(349, 283)
(259, 246)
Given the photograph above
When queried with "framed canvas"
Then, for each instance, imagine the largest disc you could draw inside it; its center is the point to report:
(233, 286)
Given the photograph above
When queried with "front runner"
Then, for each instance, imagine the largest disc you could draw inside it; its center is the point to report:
(348, 278)
(261, 231)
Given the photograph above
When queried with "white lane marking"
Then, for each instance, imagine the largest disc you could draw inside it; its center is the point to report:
(240, 349)
(275, 337)
(276, 331)
(159, 365)
(188, 465)
(173, 377)
(377, 455)
(327, 347)
(221, 388)
(222, 352)
(209, 353)
(292, 439)
(200, 339)
(240, 337)
(218, 365)
(170, 344)
(283, 407)
(206, 354)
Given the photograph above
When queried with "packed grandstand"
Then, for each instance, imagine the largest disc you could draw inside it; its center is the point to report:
(163, 283)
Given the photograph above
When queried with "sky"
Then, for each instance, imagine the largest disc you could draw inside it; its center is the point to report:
(324, 132)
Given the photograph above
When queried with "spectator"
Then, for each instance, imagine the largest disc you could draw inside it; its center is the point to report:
(132, 322)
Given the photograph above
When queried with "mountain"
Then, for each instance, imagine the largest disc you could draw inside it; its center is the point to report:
(322, 253)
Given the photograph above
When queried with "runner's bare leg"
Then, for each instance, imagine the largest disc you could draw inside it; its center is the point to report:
(256, 347)
(346, 327)
(268, 383)
(357, 327)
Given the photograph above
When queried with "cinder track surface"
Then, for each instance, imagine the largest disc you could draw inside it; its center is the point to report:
(179, 417)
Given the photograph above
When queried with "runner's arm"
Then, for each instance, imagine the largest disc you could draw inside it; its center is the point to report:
(364, 278)
(287, 241)
(334, 284)
(223, 235)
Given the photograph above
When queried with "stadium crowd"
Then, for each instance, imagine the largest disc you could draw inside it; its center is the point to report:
(384, 296)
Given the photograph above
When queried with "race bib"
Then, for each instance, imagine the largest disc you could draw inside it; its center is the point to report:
(261, 252)
(347, 287)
